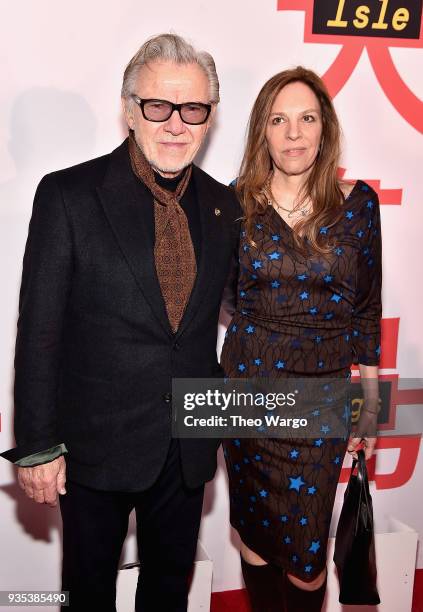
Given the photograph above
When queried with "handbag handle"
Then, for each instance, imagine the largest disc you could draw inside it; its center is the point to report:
(362, 474)
(360, 462)
(363, 479)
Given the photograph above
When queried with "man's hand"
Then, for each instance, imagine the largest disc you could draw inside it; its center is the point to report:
(42, 482)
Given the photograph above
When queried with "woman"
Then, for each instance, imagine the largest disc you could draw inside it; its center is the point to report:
(308, 304)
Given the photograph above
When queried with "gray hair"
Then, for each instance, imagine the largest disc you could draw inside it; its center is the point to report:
(171, 48)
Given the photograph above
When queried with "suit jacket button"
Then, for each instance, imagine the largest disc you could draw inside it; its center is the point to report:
(167, 397)
(176, 346)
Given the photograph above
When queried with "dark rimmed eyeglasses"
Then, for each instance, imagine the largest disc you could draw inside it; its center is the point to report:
(193, 113)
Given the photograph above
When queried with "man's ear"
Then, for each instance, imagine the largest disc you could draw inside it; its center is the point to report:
(128, 111)
(210, 120)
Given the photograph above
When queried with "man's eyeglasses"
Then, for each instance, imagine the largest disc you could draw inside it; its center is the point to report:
(193, 113)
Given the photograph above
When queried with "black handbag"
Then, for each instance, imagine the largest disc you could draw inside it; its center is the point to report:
(354, 554)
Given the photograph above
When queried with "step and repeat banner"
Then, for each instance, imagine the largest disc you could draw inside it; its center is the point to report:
(62, 66)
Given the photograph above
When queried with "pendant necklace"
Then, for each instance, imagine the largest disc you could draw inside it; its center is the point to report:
(300, 210)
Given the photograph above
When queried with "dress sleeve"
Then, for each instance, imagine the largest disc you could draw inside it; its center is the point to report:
(367, 310)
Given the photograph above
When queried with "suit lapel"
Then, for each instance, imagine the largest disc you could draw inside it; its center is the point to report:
(211, 218)
(121, 195)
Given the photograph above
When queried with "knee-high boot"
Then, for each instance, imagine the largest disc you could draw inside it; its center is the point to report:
(263, 584)
(299, 600)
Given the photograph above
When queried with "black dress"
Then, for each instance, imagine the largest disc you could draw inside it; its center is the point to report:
(298, 316)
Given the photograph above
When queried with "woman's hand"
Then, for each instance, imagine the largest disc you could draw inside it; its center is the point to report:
(367, 444)
(365, 430)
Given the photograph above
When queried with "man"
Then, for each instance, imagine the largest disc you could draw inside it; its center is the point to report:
(124, 268)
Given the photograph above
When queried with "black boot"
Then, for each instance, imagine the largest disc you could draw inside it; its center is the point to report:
(299, 600)
(263, 584)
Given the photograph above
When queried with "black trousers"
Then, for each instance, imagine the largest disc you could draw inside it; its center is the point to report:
(95, 524)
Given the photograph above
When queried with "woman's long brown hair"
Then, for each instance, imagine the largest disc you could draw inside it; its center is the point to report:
(322, 185)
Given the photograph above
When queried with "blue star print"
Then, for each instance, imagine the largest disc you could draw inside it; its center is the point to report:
(287, 494)
(296, 483)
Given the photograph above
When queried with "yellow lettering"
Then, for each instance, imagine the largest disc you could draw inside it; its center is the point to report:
(338, 22)
(361, 20)
(400, 19)
(380, 24)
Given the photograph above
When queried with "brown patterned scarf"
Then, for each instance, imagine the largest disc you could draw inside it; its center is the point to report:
(174, 253)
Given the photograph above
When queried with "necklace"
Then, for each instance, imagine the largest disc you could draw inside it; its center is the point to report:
(301, 210)
(297, 210)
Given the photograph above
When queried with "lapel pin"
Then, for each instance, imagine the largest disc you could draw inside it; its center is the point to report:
(217, 212)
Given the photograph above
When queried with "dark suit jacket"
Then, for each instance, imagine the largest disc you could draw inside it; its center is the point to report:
(95, 354)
